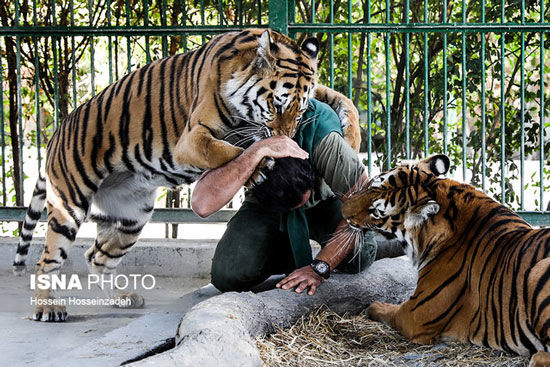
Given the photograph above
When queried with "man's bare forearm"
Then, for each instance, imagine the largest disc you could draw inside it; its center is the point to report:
(218, 186)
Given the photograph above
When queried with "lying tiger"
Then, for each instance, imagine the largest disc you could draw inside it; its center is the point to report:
(164, 125)
(483, 272)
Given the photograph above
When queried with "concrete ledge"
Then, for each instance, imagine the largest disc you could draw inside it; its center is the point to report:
(163, 257)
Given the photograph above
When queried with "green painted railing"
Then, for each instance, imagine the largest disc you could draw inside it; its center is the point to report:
(423, 76)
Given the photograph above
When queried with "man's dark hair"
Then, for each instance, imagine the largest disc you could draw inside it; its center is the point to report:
(285, 184)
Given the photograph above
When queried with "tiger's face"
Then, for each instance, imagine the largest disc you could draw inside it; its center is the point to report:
(398, 202)
(273, 90)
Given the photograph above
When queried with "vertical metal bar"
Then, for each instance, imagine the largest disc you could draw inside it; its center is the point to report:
(522, 90)
(292, 13)
(426, 86)
(445, 80)
(502, 112)
(203, 19)
(239, 12)
(37, 101)
(128, 45)
(388, 91)
(464, 91)
(541, 137)
(184, 38)
(312, 11)
(483, 117)
(37, 86)
(331, 40)
(4, 195)
(110, 43)
(92, 66)
(220, 11)
(55, 68)
(147, 42)
(407, 86)
(278, 16)
(163, 21)
(258, 6)
(369, 95)
(350, 53)
(19, 104)
(73, 61)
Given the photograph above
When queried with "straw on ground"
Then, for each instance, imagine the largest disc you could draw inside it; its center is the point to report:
(323, 338)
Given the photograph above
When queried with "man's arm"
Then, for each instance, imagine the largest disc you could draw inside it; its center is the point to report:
(217, 187)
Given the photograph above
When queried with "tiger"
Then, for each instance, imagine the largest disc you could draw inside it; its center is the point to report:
(483, 272)
(163, 125)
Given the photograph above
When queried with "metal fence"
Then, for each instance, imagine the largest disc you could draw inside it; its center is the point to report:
(467, 78)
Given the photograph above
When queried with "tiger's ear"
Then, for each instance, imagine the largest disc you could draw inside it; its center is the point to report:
(265, 60)
(437, 164)
(420, 213)
(311, 47)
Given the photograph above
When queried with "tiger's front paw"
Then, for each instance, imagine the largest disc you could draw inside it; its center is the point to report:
(383, 312)
(258, 176)
(19, 270)
(49, 310)
(540, 359)
(129, 300)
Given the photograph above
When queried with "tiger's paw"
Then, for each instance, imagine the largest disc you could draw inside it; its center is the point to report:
(379, 311)
(129, 300)
(48, 311)
(258, 176)
(19, 270)
(540, 359)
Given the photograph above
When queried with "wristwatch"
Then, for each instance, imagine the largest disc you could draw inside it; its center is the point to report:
(322, 268)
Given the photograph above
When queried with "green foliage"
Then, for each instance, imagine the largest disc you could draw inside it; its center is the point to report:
(427, 110)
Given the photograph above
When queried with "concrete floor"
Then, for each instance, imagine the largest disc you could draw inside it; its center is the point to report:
(93, 335)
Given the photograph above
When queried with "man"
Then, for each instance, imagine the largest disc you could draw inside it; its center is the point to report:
(259, 241)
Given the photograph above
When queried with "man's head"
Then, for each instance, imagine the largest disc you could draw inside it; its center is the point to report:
(287, 186)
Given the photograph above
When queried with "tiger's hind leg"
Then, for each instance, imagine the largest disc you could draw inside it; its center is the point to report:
(114, 240)
(63, 224)
(403, 321)
(540, 359)
(120, 211)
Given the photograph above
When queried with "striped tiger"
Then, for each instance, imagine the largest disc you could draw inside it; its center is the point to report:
(483, 272)
(164, 125)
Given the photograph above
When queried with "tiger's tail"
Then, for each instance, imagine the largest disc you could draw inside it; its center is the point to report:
(31, 219)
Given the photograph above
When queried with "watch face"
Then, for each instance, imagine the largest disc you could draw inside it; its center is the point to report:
(322, 267)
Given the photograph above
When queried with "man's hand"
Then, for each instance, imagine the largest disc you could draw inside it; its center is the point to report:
(303, 278)
(279, 146)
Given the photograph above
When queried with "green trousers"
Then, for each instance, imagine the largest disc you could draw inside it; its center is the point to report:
(253, 247)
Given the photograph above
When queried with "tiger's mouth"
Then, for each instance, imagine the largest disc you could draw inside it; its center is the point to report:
(354, 226)
(389, 235)
(362, 228)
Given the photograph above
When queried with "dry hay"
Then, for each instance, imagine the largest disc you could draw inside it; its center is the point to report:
(323, 338)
